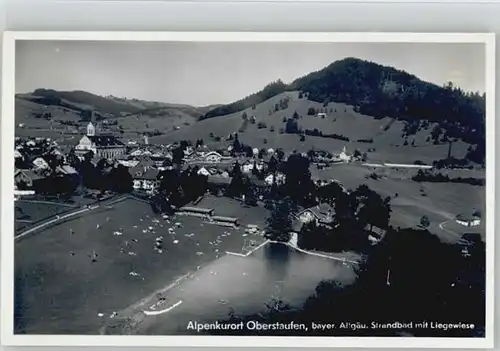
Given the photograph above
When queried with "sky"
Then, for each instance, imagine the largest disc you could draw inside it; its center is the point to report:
(202, 74)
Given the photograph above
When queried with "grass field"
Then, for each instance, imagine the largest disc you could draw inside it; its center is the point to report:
(341, 119)
(60, 290)
(442, 201)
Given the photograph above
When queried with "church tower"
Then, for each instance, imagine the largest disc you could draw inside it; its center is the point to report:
(90, 129)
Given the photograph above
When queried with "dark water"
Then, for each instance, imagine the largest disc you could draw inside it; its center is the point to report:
(244, 285)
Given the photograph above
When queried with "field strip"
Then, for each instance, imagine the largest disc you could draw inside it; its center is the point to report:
(235, 254)
(321, 255)
(258, 247)
(50, 222)
(47, 203)
(156, 313)
(68, 215)
(313, 253)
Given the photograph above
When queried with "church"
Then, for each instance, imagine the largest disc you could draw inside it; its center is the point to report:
(103, 146)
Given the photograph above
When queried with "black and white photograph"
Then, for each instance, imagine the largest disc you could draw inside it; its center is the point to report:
(276, 186)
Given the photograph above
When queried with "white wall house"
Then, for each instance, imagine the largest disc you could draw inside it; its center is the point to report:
(203, 171)
(280, 179)
(248, 167)
(468, 221)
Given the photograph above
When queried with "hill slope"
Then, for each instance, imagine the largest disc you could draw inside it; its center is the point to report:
(381, 91)
(384, 136)
(49, 113)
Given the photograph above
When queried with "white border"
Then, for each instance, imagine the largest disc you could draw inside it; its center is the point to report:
(7, 196)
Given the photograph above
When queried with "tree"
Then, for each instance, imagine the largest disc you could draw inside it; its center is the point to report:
(424, 222)
(314, 237)
(374, 210)
(120, 179)
(330, 193)
(292, 127)
(262, 153)
(236, 143)
(295, 115)
(280, 154)
(238, 185)
(279, 224)
(298, 183)
(177, 156)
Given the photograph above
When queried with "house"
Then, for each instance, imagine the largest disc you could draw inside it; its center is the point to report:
(146, 180)
(107, 146)
(27, 179)
(17, 154)
(343, 156)
(66, 170)
(375, 233)
(248, 166)
(40, 163)
(128, 163)
(203, 171)
(137, 152)
(212, 157)
(321, 214)
(280, 179)
(195, 211)
(468, 220)
(166, 165)
(224, 221)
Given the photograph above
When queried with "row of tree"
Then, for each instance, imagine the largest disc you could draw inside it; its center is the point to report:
(410, 276)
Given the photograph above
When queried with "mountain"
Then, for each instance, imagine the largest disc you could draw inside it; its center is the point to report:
(109, 106)
(381, 91)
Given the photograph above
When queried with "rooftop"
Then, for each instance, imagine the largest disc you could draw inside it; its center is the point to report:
(105, 140)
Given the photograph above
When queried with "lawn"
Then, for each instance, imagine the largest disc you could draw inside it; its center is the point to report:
(29, 212)
(59, 289)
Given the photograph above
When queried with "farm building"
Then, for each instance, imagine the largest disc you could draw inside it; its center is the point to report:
(468, 220)
(196, 211)
(224, 221)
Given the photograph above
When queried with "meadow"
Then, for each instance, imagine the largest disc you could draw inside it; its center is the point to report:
(411, 200)
(67, 274)
(30, 212)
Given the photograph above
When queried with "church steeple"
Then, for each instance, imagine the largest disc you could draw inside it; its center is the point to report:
(90, 129)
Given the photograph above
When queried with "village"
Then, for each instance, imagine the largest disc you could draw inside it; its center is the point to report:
(43, 170)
